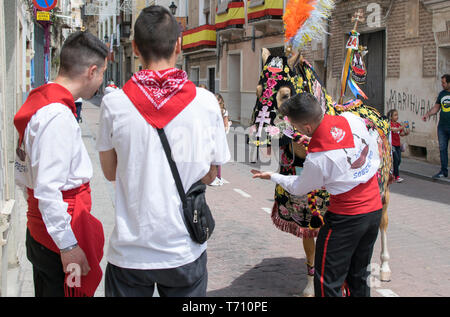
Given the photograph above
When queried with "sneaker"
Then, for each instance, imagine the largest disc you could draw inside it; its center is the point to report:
(439, 175)
(399, 179)
(216, 182)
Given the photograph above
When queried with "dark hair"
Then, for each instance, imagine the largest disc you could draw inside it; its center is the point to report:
(391, 113)
(80, 51)
(156, 32)
(302, 107)
(447, 78)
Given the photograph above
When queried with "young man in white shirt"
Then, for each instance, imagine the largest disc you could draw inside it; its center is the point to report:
(343, 157)
(150, 243)
(54, 169)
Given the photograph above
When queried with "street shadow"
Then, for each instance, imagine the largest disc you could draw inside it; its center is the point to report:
(422, 188)
(274, 277)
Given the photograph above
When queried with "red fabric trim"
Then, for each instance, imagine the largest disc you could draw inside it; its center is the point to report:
(362, 199)
(230, 22)
(87, 230)
(325, 137)
(160, 96)
(199, 43)
(290, 226)
(262, 13)
(323, 262)
(235, 5)
(200, 28)
(39, 98)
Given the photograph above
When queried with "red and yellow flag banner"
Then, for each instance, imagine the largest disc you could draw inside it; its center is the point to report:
(269, 7)
(235, 15)
(204, 35)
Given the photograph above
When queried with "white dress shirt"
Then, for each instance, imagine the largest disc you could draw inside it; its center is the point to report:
(56, 161)
(331, 169)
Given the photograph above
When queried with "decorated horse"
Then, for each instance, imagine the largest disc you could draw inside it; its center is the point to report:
(281, 78)
(302, 216)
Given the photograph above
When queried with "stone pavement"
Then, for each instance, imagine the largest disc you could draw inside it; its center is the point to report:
(248, 256)
(422, 169)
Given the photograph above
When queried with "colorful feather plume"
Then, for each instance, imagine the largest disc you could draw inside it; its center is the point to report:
(305, 20)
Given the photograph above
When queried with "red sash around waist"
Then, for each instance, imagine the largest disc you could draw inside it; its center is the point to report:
(87, 230)
(362, 199)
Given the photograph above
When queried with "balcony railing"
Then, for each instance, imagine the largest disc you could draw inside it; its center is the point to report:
(232, 17)
(258, 10)
(200, 37)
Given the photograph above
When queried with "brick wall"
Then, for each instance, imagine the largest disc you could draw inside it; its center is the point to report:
(396, 39)
(395, 17)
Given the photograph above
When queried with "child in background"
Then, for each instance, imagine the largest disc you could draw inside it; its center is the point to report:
(227, 123)
(397, 130)
(78, 105)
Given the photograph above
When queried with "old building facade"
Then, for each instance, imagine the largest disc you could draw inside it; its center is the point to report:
(222, 47)
(407, 40)
(408, 52)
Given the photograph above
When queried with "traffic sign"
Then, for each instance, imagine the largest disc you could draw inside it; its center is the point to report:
(45, 5)
(43, 16)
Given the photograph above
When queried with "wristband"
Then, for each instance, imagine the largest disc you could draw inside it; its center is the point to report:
(68, 248)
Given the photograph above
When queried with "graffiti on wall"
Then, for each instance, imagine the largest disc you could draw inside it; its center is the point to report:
(410, 103)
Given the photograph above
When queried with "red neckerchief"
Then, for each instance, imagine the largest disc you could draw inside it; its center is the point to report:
(39, 98)
(160, 96)
(333, 133)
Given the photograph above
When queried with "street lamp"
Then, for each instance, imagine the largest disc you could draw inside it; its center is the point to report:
(173, 8)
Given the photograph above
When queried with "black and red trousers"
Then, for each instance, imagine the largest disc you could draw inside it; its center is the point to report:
(344, 250)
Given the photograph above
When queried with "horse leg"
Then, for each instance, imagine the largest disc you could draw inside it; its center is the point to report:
(385, 271)
(309, 245)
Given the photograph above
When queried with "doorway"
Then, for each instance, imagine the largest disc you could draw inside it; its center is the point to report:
(234, 86)
(195, 75)
(212, 79)
(375, 62)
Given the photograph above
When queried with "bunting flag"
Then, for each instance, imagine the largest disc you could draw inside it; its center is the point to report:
(351, 83)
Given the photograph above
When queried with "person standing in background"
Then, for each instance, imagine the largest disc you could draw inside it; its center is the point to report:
(397, 130)
(78, 105)
(218, 181)
(442, 105)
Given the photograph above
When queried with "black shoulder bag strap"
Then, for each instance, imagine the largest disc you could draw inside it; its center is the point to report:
(173, 166)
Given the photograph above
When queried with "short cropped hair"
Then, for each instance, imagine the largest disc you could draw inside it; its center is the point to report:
(447, 78)
(80, 51)
(156, 32)
(302, 107)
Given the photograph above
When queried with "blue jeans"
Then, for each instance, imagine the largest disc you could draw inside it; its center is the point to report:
(397, 155)
(443, 137)
(78, 106)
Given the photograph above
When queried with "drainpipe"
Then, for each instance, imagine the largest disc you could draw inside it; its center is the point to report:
(325, 62)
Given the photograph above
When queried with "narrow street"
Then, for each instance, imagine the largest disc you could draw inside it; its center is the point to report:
(249, 257)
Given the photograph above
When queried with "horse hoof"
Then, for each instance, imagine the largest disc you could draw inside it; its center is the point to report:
(385, 276)
(309, 289)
